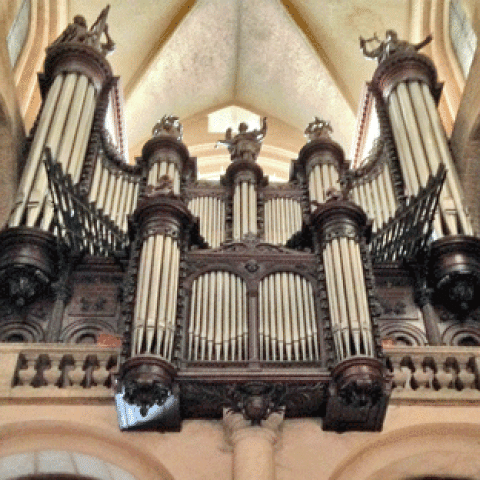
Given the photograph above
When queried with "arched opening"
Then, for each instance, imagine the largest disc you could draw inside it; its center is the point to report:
(41, 450)
(421, 452)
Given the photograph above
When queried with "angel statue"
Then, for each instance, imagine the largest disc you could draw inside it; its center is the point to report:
(390, 45)
(168, 125)
(244, 145)
(318, 129)
(78, 32)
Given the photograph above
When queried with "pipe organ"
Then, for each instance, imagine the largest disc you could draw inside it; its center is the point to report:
(114, 189)
(287, 321)
(409, 91)
(282, 218)
(243, 291)
(211, 211)
(218, 320)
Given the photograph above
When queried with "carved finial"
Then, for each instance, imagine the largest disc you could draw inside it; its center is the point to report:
(168, 125)
(78, 32)
(164, 186)
(318, 129)
(390, 45)
(244, 145)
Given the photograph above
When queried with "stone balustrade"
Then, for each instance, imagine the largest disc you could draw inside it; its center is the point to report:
(439, 374)
(56, 371)
(420, 374)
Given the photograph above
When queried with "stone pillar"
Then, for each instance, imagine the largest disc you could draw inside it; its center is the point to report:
(253, 445)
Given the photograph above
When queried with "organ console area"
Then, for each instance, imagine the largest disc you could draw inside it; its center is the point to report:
(243, 294)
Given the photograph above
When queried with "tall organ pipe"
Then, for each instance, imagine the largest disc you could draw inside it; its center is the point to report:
(408, 83)
(76, 75)
(243, 177)
(340, 225)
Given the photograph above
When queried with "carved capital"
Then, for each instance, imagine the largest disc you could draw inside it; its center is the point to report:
(162, 214)
(77, 58)
(321, 150)
(237, 428)
(340, 218)
(165, 148)
(404, 67)
(243, 171)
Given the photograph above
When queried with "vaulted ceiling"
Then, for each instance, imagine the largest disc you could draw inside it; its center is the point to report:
(288, 60)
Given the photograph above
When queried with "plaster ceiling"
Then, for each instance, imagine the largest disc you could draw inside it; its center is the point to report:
(288, 60)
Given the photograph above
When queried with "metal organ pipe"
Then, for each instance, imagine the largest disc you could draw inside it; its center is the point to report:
(322, 176)
(63, 126)
(283, 218)
(340, 226)
(244, 207)
(422, 146)
(218, 329)
(156, 306)
(211, 211)
(287, 321)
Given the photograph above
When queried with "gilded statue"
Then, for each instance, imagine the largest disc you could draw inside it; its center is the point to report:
(244, 145)
(390, 45)
(78, 32)
(168, 125)
(318, 129)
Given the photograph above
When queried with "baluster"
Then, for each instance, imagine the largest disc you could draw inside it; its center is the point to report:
(27, 371)
(48, 368)
(101, 374)
(402, 374)
(76, 374)
(423, 374)
(467, 374)
(446, 374)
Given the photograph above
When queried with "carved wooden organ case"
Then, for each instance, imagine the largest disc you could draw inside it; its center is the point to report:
(240, 294)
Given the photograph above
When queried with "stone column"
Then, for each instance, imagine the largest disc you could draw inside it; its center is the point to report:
(253, 445)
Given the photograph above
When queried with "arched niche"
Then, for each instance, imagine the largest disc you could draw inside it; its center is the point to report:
(74, 445)
(422, 452)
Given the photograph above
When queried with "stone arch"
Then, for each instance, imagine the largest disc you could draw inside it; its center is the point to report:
(425, 451)
(59, 465)
(8, 160)
(72, 440)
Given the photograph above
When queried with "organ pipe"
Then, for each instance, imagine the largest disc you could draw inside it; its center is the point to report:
(211, 211)
(218, 318)
(340, 224)
(421, 141)
(287, 322)
(283, 218)
(63, 125)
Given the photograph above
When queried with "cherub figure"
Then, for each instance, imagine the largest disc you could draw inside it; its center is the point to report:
(78, 32)
(244, 145)
(168, 125)
(75, 32)
(318, 129)
(390, 45)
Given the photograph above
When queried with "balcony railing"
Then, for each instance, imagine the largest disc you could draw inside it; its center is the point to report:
(420, 374)
(439, 374)
(57, 371)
